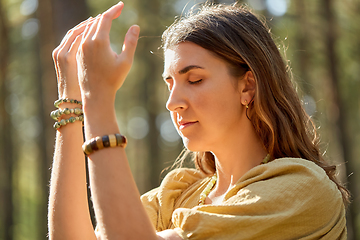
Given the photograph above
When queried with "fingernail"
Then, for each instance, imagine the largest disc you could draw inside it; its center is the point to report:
(120, 3)
(135, 30)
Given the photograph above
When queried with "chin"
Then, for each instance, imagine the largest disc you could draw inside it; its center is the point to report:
(192, 145)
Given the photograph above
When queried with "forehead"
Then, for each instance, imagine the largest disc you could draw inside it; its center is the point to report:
(185, 54)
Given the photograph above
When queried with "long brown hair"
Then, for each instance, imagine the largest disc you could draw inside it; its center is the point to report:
(238, 37)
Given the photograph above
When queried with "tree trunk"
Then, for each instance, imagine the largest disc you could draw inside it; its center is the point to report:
(303, 45)
(67, 14)
(56, 18)
(6, 146)
(338, 102)
(46, 86)
(151, 9)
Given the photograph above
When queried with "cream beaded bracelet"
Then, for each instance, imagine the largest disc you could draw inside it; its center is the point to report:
(98, 143)
(64, 100)
(63, 122)
(58, 112)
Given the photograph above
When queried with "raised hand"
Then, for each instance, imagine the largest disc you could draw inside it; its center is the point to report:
(68, 206)
(64, 57)
(102, 71)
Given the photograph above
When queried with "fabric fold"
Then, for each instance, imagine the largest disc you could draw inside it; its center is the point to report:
(287, 198)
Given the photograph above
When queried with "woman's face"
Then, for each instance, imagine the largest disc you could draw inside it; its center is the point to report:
(204, 101)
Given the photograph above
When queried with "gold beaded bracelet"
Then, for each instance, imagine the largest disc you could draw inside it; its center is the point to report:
(58, 112)
(64, 100)
(98, 143)
(63, 122)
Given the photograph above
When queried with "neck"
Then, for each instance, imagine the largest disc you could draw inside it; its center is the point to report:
(235, 157)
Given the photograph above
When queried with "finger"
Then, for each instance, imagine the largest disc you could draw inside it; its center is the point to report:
(130, 43)
(86, 31)
(74, 32)
(70, 32)
(107, 17)
(75, 44)
(56, 69)
(90, 29)
(68, 39)
(84, 22)
(78, 30)
(69, 42)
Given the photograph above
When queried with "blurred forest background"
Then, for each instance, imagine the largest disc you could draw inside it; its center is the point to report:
(322, 43)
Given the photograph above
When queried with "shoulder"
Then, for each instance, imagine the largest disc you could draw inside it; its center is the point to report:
(289, 171)
(176, 181)
(160, 202)
(292, 174)
(285, 166)
(293, 186)
(182, 176)
(287, 198)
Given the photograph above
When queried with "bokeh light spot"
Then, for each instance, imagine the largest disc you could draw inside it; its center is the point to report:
(277, 7)
(30, 28)
(138, 127)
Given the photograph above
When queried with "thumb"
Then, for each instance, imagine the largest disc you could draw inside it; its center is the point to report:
(130, 43)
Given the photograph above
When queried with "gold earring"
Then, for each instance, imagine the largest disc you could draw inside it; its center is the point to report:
(246, 104)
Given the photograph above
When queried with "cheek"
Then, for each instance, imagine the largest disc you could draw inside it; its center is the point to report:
(174, 120)
(209, 100)
(221, 105)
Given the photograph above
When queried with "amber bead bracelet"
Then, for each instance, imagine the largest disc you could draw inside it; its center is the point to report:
(98, 143)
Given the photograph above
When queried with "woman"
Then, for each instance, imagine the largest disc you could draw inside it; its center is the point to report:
(260, 174)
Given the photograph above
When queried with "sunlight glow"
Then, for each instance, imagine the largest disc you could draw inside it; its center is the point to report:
(28, 7)
(277, 7)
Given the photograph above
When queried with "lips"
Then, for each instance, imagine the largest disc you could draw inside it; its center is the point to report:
(185, 124)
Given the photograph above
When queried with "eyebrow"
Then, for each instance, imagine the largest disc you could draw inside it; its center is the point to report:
(185, 70)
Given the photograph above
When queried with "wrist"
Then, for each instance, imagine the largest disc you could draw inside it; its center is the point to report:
(101, 126)
(96, 107)
(93, 101)
(99, 117)
(70, 95)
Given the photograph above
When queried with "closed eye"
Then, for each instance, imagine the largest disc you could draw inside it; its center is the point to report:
(195, 82)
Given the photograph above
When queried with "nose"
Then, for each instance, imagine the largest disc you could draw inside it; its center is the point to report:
(177, 99)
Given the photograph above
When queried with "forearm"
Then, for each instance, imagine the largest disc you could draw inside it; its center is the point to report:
(69, 216)
(117, 204)
(119, 212)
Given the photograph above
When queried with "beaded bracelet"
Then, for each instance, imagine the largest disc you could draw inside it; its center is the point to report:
(58, 112)
(63, 122)
(98, 143)
(64, 100)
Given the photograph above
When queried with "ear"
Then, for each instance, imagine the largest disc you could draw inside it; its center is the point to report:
(247, 88)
